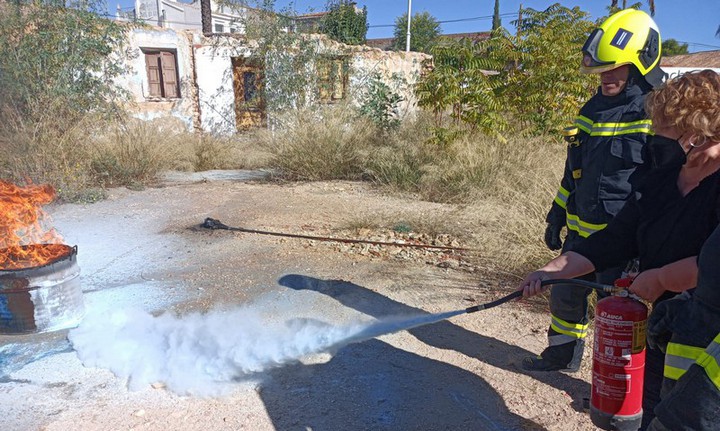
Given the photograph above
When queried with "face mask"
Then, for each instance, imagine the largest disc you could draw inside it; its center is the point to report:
(666, 150)
(663, 140)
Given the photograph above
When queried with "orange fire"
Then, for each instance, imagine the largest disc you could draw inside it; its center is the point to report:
(25, 242)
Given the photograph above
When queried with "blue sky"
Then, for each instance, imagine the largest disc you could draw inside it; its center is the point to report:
(691, 21)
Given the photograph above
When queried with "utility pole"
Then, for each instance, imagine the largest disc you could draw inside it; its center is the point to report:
(519, 24)
(206, 17)
(407, 43)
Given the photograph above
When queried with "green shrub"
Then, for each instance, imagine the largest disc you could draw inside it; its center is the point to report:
(380, 103)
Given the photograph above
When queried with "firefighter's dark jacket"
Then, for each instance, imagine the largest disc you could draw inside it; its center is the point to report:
(693, 404)
(691, 386)
(657, 224)
(612, 133)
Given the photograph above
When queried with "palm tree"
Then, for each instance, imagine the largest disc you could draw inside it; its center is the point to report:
(651, 5)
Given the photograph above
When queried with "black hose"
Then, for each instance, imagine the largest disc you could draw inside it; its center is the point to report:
(604, 288)
(214, 224)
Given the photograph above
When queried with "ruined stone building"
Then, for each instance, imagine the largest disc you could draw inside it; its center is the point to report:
(211, 84)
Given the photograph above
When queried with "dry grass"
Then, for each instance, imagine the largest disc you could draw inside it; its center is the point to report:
(499, 191)
(40, 152)
(82, 160)
(519, 199)
(503, 188)
(325, 143)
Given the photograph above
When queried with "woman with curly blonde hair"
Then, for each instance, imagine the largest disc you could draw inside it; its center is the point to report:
(673, 209)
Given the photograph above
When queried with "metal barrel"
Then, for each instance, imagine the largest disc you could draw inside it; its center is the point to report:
(43, 298)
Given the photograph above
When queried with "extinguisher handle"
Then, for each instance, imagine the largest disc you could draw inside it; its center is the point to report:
(624, 282)
(603, 288)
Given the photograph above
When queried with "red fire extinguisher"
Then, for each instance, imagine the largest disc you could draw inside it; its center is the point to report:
(618, 367)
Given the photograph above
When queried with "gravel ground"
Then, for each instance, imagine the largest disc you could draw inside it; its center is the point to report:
(191, 329)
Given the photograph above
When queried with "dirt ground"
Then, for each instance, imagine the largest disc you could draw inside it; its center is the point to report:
(143, 248)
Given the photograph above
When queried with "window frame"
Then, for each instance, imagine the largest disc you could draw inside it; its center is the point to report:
(162, 74)
(336, 66)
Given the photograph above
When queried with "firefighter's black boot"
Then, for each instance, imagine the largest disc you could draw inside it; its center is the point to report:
(564, 357)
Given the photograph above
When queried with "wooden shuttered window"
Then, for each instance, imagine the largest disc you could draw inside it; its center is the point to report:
(332, 76)
(152, 64)
(169, 74)
(162, 74)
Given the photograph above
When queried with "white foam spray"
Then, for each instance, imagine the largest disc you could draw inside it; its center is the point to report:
(205, 354)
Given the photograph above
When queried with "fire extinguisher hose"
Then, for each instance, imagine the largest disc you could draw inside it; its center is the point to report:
(602, 288)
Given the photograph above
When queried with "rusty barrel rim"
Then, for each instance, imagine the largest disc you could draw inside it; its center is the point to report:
(9, 277)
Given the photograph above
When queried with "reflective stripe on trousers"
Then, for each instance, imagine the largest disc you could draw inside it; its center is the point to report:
(567, 332)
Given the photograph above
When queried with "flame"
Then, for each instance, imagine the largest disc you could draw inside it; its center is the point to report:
(22, 227)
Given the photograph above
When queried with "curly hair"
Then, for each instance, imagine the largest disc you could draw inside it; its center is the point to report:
(690, 102)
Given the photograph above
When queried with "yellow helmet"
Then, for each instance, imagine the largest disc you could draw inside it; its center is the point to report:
(626, 37)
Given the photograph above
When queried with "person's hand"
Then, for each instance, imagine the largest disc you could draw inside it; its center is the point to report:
(660, 322)
(647, 285)
(532, 284)
(552, 236)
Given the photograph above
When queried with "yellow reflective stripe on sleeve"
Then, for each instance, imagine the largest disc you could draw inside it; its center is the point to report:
(583, 123)
(679, 358)
(561, 197)
(584, 229)
(575, 330)
(612, 129)
(710, 360)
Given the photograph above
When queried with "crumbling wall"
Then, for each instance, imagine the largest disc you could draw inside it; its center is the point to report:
(216, 96)
(135, 80)
(205, 73)
(398, 70)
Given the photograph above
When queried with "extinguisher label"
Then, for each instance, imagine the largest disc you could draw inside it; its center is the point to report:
(639, 332)
(617, 340)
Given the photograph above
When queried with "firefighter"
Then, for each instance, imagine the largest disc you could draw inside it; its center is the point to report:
(612, 130)
(672, 211)
(687, 329)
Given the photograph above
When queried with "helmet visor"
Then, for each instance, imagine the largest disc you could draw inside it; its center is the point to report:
(591, 63)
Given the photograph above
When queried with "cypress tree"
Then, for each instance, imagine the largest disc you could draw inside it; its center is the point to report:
(496, 16)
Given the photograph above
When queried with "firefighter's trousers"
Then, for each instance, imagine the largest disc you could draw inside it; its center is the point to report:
(569, 305)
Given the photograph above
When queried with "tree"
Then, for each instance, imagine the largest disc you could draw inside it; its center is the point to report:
(614, 6)
(673, 47)
(344, 23)
(497, 23)
(532, 78)
(424, 31)
(58, 62)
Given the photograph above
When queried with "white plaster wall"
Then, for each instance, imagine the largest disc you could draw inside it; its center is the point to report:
(135, 79)
(365, 61)
(407, 67)
(674, 72)
(215, 86)
(181, 18)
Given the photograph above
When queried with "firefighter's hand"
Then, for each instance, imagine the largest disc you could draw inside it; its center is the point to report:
(662, 318)
(532, 284)
(552, 236)
(648, 285)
